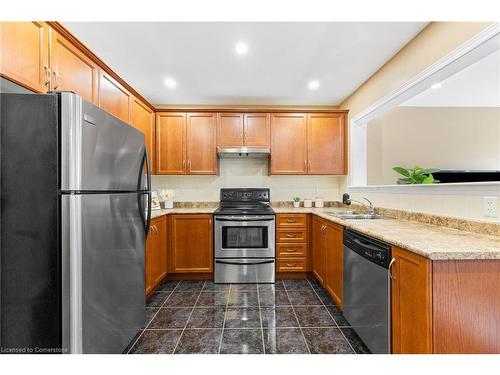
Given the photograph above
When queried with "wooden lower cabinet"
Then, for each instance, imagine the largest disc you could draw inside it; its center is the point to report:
(411, 303)
(334, 263)
(292, 243)
(318, 248)
(156, 253)
(191, 243)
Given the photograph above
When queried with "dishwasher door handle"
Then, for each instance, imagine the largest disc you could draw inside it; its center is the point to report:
(390, 269)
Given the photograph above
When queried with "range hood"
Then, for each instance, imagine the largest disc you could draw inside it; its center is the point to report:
(243, 152)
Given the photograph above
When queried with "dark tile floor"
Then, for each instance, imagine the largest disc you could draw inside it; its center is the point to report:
(291, 316)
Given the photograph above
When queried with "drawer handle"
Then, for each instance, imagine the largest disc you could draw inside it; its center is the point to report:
(291, 235)
(291, 221)
(291, 264)
(291, 250)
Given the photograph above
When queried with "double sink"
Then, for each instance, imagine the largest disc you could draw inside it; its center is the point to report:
(352, 215)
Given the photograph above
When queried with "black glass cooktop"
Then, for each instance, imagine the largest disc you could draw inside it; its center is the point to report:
(244, 201)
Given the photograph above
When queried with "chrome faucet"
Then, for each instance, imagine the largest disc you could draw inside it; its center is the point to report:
(346, 199)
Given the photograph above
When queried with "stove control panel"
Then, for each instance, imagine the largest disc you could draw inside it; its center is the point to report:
(245, 195)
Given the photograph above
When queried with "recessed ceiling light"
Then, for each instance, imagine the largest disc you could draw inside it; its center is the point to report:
(170, 83)
(437, 85)
(241, 48)
(313, 85)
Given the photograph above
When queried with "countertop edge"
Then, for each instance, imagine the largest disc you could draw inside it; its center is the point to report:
(477, 254)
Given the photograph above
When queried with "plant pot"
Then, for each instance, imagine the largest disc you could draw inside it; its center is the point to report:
(296, 204)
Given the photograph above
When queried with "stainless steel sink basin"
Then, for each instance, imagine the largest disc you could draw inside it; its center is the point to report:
(354, 215)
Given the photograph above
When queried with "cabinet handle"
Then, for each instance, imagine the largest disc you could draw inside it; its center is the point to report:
(183, 164)
(291, 264)
(47, 75)
(56, 83)
(291, 221)
(305, 165)
(291, 235)
(189, 164)
(291, 250)
(309, 164)
(390, 268)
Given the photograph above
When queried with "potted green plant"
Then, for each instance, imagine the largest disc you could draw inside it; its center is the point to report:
(417, 175)
(296, 202)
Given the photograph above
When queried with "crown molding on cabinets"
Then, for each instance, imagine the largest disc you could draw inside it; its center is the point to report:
(248, 108)
(57, 26)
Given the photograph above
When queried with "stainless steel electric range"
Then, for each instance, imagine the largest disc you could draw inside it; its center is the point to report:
(244, 237)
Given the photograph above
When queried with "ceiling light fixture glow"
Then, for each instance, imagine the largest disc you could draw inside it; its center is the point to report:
(437, 85)
(313, 85)
(241, 48)
(170, 83)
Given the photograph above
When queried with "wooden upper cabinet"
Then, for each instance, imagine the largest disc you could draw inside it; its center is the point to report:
(201, 143)
(143, 119)
(229, 129)
(334, 263)
(170, 143)
(288, 143)
(71, 69)
(411, 303)
(24, 54)
(113, 97)
(191, 244)
(257, 129)
(325, 143)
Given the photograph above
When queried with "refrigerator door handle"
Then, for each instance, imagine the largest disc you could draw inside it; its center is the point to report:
(147, 223)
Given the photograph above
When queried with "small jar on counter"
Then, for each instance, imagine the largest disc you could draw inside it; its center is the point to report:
(308, 203)
(318, 202)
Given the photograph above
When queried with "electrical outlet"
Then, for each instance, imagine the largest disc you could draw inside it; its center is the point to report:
(490, 206)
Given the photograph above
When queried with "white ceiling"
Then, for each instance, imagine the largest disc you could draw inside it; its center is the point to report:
(282, 58)
(478, 85)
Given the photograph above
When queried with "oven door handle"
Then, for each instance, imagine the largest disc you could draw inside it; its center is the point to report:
(244, 264)
(245, 219)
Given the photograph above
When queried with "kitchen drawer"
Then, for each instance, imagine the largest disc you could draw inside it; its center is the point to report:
(291, 235)
(291, 250)
(291, 220)
(291, 265)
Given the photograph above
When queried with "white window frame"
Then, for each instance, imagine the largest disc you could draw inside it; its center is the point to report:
(471, 51)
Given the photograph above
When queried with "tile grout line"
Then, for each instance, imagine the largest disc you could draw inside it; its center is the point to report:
(150, 320)
(189, 317)
(296, 317)
(224, 321)
(261, 324)
(331, 316)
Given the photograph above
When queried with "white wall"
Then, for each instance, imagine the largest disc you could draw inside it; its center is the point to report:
(432, 137)
(248, 173)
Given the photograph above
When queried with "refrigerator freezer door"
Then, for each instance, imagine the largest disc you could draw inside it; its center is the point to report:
(103, 302)
(99, 152)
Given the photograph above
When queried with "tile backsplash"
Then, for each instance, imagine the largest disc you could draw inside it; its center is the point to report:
(248, 173)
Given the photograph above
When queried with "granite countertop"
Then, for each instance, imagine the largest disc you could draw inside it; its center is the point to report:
(431, 241)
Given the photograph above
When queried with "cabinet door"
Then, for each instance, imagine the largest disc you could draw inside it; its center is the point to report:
(334, 258)
(318, 245)
(71, 69)
(148, 261)
(143, 119)
(288, 143)
(191, 243)
(411, 303)
(159, 260)
(257, 130)
(113, 97)
(24, 57)
(325, 143)
(171, 143)
(201, 143)
(230, 129)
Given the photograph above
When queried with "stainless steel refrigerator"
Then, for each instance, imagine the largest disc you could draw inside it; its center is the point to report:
(75, 212)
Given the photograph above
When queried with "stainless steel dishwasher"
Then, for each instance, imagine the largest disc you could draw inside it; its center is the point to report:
(367, 289)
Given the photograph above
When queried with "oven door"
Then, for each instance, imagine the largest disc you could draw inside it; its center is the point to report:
(244, 236)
